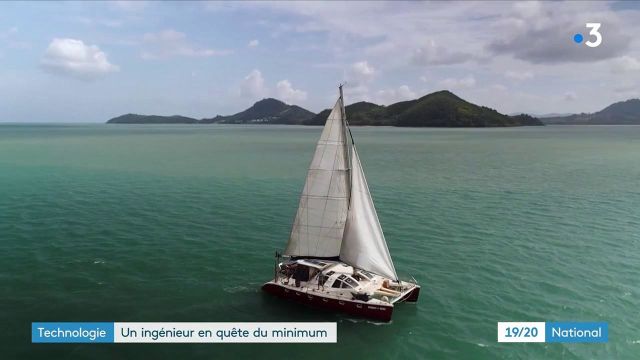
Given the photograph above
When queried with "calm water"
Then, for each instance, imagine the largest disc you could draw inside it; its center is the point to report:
(179, 223)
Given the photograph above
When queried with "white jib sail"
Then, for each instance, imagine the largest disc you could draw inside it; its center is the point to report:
(364, 245)
(319, 224)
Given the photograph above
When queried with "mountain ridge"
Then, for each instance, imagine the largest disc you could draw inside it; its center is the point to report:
(151, 119)
(625, 112)
(269, 110)
(437, 109)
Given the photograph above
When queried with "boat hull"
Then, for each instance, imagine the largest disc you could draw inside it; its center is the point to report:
(351, 307)
(412, 296)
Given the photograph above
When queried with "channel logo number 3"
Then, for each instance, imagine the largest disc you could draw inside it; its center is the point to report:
(594, 32)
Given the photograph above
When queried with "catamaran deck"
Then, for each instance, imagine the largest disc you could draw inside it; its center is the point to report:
(339, 286)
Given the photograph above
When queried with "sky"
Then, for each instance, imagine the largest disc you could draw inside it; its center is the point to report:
(90, 61)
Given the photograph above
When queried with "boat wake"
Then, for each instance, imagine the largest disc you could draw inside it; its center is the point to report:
(365, 321)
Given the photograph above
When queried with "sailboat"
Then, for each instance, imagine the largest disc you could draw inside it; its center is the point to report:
(337, 256)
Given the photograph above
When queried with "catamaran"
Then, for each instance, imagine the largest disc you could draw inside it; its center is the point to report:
(337, 256)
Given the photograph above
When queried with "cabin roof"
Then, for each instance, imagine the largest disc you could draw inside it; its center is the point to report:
(312, 263)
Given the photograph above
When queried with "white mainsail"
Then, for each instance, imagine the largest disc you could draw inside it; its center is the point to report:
(322, 212)
(336, 216)
(363, 244)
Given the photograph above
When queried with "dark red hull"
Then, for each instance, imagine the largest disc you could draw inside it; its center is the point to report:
(357, 308)
(412, 296)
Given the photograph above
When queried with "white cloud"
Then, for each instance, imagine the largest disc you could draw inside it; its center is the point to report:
(363, 68)
(462, 83)
(446, 33)
(170, 43)
(392, 38)
(354, 94)
(390, 96)
(253, 43)
(358, 77)
(169, 35)
(73, 58)
(288, 94)
(625, 64)
(423, 78)
(518, 75)
(89, 21)
(541, 33)
(253, 86)
(527, 9)
(11, 39)
(514, 35)
(361, 73)
(498, 88)
(626, 87)
(570, 96)
(431, 54)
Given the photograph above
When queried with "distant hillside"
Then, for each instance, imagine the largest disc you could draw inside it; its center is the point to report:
(527, 120)
(543, 116)
(266, 111)
(620, 113)
(438, 109)
(360, 113)
(151, 119)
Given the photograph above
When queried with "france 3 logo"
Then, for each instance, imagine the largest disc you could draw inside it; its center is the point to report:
(594, 34)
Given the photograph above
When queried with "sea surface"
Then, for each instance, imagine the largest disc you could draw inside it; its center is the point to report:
(180, 223)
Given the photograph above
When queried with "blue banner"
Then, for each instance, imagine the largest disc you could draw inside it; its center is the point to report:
(576, 332)
(72, 332)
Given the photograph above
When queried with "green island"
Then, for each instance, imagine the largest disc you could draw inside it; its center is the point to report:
(620, 113)
(438, 109)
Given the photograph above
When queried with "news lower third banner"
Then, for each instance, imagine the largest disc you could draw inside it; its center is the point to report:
(553, 332)
(183, 332)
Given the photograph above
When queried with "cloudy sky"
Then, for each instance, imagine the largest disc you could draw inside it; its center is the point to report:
(89, 61)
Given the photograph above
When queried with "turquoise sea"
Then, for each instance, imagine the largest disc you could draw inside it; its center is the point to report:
(180, 223)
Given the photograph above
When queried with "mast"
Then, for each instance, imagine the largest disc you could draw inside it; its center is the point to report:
(347, 134)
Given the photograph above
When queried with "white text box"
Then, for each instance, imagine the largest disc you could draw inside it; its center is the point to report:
(225, 332)
(521, 332)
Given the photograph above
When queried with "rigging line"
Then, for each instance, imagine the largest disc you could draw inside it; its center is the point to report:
(350, 134)
(351, 150)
